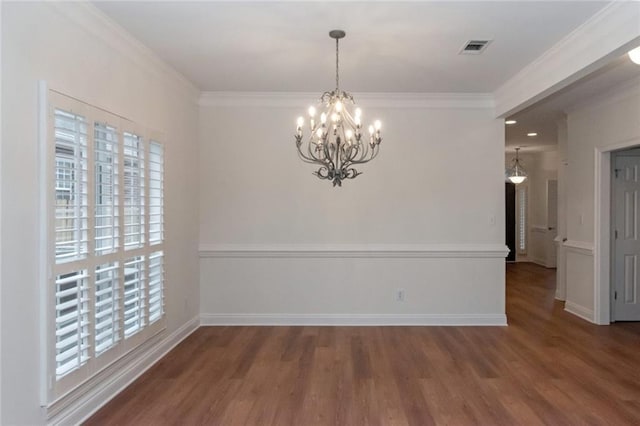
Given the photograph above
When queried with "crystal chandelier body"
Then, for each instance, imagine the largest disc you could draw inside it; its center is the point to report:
(516, 174)
(335, 141)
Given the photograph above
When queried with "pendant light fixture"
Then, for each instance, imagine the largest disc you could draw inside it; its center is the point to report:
(634, 55)
(516, 174)
(335, 141)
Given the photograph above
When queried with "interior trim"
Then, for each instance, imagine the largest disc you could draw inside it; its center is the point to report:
(453, 251)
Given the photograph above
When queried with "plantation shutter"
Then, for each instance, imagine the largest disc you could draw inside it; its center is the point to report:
(72, 321)
(106, 189)
(156, 191)
(134, 295)
(107, 307)
(133, 191)
(71, 201)
(104, 276)
(156, 278)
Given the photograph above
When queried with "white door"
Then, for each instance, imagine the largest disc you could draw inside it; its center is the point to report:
(626, 245)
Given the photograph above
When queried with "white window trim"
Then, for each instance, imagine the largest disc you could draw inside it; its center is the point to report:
(522, 228)
(52, 389)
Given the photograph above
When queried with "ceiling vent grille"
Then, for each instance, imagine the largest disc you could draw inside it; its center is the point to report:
(474, 47)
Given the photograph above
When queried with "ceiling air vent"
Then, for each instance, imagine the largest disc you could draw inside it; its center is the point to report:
(474, 47)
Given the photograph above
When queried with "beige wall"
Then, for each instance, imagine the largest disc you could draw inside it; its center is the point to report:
(78, 53)
(436, 186)
(604, 122)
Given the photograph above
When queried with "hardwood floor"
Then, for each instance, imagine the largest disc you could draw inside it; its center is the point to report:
(546, 367)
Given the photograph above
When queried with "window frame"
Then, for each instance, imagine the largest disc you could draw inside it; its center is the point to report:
(54, 388)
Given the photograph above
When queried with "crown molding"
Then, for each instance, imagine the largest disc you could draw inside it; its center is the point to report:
(97, 23)
(606, 35)
(382, 100)
(405, 251)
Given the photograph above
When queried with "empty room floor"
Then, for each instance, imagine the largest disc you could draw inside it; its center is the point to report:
(546, 367)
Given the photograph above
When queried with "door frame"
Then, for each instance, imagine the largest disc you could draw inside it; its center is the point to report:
(602, 229)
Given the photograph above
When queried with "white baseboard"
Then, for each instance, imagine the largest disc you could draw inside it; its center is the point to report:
(580, 311)
(355, 319)
(77, 411)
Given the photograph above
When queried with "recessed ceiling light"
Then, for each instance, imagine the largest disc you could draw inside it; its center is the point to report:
(510, 122)
(532, 134)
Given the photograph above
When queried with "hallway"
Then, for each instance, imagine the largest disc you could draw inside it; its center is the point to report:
(546, 367)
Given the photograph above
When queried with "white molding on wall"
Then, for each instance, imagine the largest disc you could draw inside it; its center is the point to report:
(386, 100)
(580, 311)
(606, 35)
(580, 247)
(76, 407)
(453, 251)
(95, 22)
(353, 319)
(539, 229)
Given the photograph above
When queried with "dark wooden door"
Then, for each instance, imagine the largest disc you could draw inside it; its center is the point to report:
(510, 219)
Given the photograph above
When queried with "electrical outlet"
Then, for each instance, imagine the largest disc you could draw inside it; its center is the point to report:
(400, 295)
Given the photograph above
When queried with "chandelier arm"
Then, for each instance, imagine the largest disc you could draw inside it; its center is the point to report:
(327, 155)
(307, 159)
(311, 154)
(364, 153)
(311, 158)
(353, 153)
(374, 154)
(303, 156)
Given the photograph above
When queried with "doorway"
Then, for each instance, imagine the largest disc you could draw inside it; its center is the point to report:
(510, 219)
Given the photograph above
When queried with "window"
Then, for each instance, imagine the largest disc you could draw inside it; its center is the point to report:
(133, 191)
(71, 207)
(105, 219)
(522, 220)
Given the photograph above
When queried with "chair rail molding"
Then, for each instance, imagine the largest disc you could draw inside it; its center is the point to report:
(353, 250)
(580, 247)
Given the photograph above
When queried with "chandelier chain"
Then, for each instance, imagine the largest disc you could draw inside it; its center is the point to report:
(337, 74)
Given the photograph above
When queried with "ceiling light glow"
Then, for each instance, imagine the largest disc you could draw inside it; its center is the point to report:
(634, 55)
(532, 134)
(508, 122)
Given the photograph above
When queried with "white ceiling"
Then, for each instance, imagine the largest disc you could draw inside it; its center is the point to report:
(543, 116)
(390, 46)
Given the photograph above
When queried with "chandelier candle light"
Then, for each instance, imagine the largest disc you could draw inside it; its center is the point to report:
(335, 140)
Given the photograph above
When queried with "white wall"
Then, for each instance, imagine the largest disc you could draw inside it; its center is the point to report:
(1, 211)
(80, 53)
(273, 235)
(561, 273)
(605, 122)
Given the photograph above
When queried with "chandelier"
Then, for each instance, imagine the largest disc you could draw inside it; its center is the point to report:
(335, 141)
(516, 174)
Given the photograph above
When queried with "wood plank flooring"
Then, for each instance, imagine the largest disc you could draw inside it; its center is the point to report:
(546, 367)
